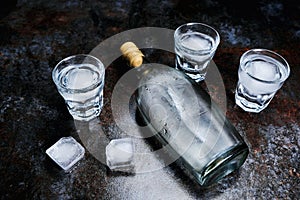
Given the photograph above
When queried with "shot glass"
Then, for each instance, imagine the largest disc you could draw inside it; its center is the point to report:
(80, 81)
(195, 46)
(261, 74)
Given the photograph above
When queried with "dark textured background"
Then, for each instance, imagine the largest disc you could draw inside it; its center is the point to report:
(35, 35)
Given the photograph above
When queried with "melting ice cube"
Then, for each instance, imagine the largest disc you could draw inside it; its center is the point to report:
(263, 70)
(66, 152)
(119, 155)
(197, 41)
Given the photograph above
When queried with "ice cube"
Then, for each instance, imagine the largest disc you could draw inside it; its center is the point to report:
(197, 41)
(263, 70)
(66, 152)
(119, 155)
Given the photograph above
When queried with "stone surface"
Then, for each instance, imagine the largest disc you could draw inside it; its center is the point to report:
(35, 35)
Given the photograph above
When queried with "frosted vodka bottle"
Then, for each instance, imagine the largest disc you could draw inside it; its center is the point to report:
(188, 123)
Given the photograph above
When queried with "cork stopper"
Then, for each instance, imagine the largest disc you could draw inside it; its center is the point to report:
(132, 53)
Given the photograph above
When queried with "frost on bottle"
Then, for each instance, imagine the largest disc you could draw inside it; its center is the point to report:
(185, 120)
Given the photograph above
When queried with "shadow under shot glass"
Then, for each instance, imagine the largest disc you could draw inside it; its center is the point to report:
(261, 74)
(80, 81)
(195, 46)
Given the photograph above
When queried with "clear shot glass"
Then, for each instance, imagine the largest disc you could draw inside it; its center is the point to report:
(261, 74)
(195, 46)
(80, 81)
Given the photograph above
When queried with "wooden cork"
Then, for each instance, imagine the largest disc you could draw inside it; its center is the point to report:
(132, 53)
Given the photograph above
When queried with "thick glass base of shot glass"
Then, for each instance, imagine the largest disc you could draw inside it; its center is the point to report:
(86, 111)
(251, 103)
(191, 68)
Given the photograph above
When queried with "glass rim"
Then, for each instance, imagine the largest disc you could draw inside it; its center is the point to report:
(268, 53)
(85, 89)
(216, 38)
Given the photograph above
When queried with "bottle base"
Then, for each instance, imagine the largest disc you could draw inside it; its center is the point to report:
(223, 165)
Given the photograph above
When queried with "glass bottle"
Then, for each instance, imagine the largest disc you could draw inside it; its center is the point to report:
(187, 122)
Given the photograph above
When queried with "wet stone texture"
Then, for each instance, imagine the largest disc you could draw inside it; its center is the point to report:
(35, 35)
